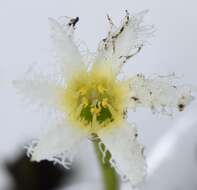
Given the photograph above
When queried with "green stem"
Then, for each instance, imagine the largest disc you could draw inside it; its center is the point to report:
(110, 178)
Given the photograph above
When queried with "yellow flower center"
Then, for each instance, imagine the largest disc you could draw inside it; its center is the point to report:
(95, 98)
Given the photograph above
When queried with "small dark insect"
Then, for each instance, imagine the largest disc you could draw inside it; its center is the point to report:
(73, 21)
(136, 135)
(181, 107)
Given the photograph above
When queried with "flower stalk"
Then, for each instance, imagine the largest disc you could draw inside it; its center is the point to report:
(109, 175)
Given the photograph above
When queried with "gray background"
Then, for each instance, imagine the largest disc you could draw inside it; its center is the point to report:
(171, 144)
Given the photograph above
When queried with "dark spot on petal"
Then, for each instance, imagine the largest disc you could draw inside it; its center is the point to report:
(121, 30)
(125, 113)
(105, 39)
(181, 107)
(135, 98)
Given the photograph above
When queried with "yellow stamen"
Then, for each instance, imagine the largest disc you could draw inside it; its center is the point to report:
(104, 102)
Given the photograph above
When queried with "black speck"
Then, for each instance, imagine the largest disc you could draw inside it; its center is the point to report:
(121, 30)
(73, 21)
(181, 107)
(135, 98)
(105, 39)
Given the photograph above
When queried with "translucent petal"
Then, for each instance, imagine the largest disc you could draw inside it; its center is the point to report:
(127, 153)
(45, 80)
(39, 90)
(59, 144)
(159, 93)
(124, 41)
(66, 53)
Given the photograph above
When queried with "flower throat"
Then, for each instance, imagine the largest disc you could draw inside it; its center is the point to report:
(95, 98)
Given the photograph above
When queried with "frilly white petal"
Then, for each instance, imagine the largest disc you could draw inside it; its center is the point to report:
(124, 41)
(59, 144)
(45, 80)
(159, 93)
(66, 53)
(127, 153)
(39, 90)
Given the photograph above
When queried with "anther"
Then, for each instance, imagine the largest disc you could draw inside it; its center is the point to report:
(104, 102)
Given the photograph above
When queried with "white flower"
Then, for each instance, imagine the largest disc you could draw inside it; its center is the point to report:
(92, 99)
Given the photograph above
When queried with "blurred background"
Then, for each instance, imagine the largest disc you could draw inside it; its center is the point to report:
(171, 143)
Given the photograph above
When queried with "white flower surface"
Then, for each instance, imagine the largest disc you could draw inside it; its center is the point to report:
(90, 99)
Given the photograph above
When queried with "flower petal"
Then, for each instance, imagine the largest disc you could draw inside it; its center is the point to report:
(125, 41)
(39, 90)
(58, 144)
(127, 153)
(67, 55)
(158, 93)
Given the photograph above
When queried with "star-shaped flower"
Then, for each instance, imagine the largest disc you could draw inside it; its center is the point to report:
(93, 99)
